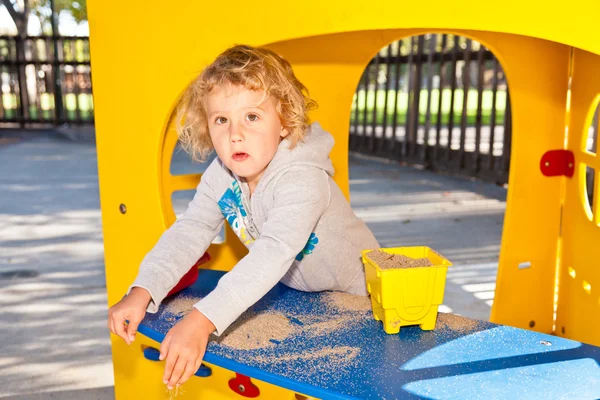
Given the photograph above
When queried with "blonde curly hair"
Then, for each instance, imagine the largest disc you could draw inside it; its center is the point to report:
(255, 68)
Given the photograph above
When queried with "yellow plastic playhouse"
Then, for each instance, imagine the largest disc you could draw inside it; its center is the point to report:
(144, 53)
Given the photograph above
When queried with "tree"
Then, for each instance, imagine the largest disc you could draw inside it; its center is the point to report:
(21, 10)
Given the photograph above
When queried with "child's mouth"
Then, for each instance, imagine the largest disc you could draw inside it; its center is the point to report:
(240, 156)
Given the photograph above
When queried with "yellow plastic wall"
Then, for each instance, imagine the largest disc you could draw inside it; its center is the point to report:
(579, 284)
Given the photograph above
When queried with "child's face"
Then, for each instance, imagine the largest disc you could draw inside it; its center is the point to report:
(245, 132)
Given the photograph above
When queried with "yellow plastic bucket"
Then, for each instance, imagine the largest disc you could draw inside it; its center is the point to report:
(407, 296)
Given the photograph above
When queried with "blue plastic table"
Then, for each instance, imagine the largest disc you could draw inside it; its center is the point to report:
(470, 360)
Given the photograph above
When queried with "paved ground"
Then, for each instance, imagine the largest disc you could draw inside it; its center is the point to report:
(52, 290)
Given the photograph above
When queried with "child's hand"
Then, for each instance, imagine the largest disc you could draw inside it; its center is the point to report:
(184, 348)
(131, 308)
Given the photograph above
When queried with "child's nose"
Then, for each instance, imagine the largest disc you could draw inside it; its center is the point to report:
(235, 133)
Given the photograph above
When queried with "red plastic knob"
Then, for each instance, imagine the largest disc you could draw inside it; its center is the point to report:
(242, 385)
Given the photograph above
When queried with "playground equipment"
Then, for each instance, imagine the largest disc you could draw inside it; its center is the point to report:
(145, 53)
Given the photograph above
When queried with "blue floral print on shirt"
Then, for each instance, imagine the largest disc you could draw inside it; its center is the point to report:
(234, 212)
(310, 246)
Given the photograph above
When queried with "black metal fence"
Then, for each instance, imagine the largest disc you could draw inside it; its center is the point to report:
(437, 100)
(45, 81)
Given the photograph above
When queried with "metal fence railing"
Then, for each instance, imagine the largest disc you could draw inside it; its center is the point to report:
(45, 81)
(437, 100)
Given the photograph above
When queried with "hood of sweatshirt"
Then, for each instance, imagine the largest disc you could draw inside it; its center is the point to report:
(312, 151)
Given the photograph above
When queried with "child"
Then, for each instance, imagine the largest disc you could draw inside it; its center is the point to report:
(272, 183)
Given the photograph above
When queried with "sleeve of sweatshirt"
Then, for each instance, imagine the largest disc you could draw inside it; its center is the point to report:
(300, 197)
(183, 243)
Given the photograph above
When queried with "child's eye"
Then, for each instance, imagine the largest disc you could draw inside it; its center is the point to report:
(252, 117)
(220, 120)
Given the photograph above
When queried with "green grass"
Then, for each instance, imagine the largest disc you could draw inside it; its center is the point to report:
(46, 110)
(402, 102)
(86, 107)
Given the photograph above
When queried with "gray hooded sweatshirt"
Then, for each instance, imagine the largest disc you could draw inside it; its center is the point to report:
(297, 225)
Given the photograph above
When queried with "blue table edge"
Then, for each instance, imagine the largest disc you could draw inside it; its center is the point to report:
(256, 373)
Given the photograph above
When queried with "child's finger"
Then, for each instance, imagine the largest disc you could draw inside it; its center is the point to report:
(164, 347)
(110, 325)
(169, 367)
(119, 326)
(132, 329)
(190, 369)
(177, 372)
(111, 321)
(198, 361)
(171, 359)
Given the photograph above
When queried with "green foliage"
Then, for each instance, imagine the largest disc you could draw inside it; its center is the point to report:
(22, 10)
(41, 9)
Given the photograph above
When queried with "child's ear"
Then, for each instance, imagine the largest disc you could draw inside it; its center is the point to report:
(284, 132)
